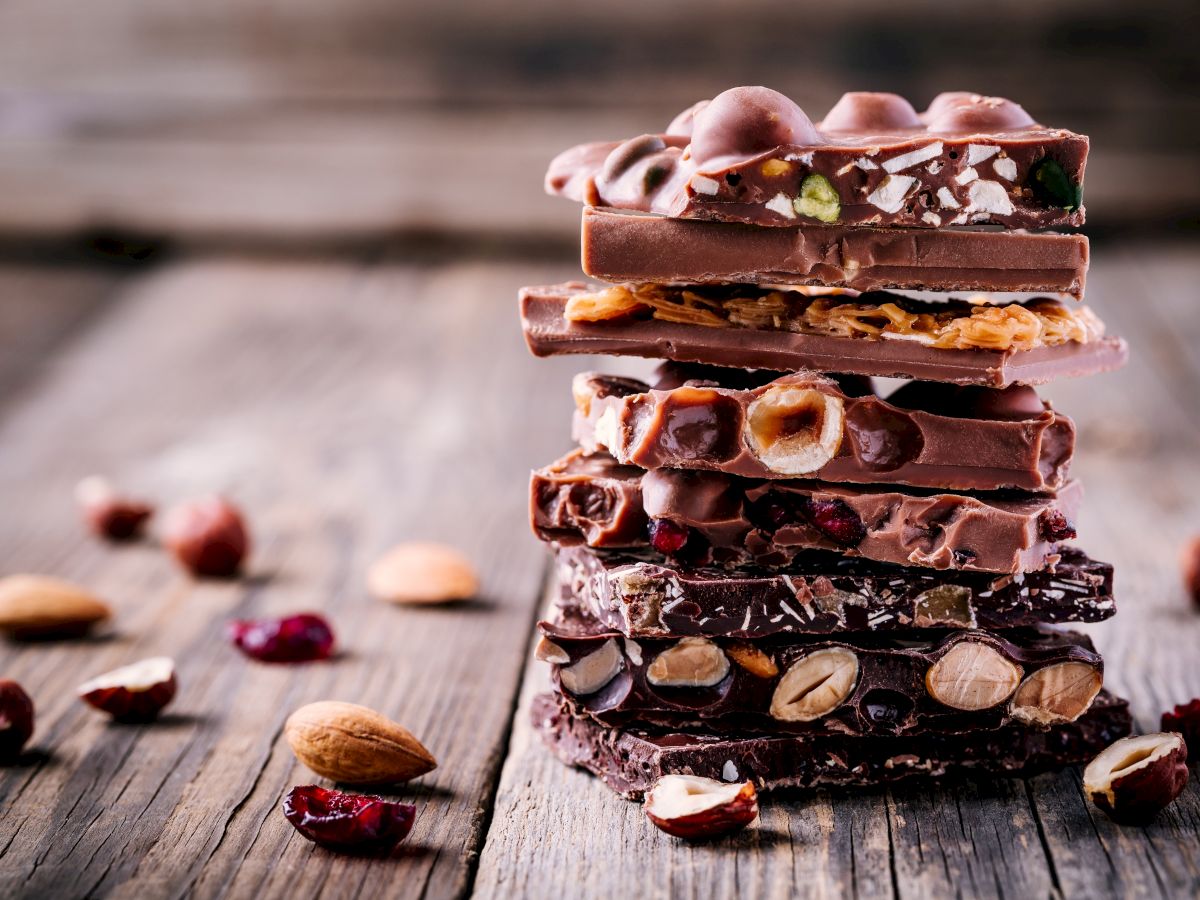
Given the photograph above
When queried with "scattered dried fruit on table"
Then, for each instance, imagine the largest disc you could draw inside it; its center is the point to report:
(108, 513)
(133, 693)
(353, 822)
(37, 606)
(355, 745)
(695, 808)
(422, 572)
(1185, 719)
(207, 536)
(16, 719)
(1136, 777)
(1190, 559)
(304, 637)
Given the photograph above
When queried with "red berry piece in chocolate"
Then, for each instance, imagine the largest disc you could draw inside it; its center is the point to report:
(1185, 719)
(1055, 526)
(348, 822)
(836, 520)
(16, 719)
(305, 637)
(667, 537)
(745, 121)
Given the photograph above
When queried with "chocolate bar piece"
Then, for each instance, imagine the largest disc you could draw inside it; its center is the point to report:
(630, 760)
(752, 155)
(700, 516)
(807, 425)
(854, 684)
(622, 247)
(707, 338)
(820, 594)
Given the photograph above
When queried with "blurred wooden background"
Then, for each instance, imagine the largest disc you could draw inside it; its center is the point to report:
(315, 123)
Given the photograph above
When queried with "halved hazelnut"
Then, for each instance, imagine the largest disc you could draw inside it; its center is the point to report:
(594, 671)
(1059, 693)
(753, 660)
(695, 808)
(109, 513)
(815, 685)
(548, 651)
(972, 676)
(1134, 778)
(133, 693)
(794, 430)
(692, 662)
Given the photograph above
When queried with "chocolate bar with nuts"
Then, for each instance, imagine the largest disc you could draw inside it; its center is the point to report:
(890, 338)
(806, 425)
(623, 247)
(752, 155)
(854, 684)
(697, 517)
(820, 593)
(631, 759)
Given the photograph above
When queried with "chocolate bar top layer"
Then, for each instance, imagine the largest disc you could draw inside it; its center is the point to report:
(751, 155)
(630, 760)
(549, 333)
(624, 247)
(820, 593)
(703, 516)
(855, 684)
(807, 425)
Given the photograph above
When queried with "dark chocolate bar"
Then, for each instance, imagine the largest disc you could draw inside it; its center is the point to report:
(752, 155)
(807, 425)
(709, 340)
(701, 516)
(856, 684)
(821, 594)
(623, 247)
(630, 760)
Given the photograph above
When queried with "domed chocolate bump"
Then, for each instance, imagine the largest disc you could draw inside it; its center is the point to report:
(867, 111)
(626, 154)
(980, 114)
(744, 121)
(945, 101)
(682, 124)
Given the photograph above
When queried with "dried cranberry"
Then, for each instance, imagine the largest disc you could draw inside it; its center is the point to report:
(770, 513)
(836, 520)
(300, 638)
(1055, 526)
(16, 719)
(342, 821)
(667, 537)
(1185, 719)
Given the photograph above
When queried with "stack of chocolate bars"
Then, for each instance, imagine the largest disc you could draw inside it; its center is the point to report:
(770, 567)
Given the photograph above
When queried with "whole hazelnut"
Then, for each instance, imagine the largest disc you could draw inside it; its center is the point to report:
(207, 536)
(1136, 777)
(16, 719)
(1190, 562)
(109, 513)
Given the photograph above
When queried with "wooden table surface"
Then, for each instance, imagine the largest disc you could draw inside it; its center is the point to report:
(348, 403)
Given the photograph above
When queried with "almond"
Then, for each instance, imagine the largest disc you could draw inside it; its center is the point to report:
(355, 745)
(422, 572)
(37, 606)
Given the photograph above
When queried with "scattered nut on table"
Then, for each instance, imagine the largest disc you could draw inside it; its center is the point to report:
(355, 745)
(16, 719)
(422, 572)
(1190, 560)
(134, 693)
(40, 607)
(207, 536)
(109, 513)
(695, 808)
(1135, 778)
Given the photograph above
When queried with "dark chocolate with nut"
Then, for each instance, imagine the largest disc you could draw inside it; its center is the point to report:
(621, 247)
(820, 593)
(752, 155)
(631, 759)
(806, 425)
(705, 337)
(857, 684)
(698, 517)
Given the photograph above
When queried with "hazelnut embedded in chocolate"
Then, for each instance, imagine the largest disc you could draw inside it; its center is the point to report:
(794, 430)
(1135, 778)
(972, 675)
(691, 662)
(1057, 693)
(815, 685)
(868, 111)
(745, 121)
(594, 671)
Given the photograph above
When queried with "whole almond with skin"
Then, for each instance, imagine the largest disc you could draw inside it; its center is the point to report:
(355, 745)
(38, 606)
(422, 572)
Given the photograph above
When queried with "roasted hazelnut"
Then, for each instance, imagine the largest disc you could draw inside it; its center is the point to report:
(1135, 778)
(108, 513)
(695, 808)
(1190, 561)
(1055, 694)
(690, 662)
(794, 430)
(594, 671)
(971, 676)
(815, 685)
(16, 719)
(133, 693)
(207, 537)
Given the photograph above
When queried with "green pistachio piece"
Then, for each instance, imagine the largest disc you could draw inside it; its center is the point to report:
(818, 199)
(1051, 185)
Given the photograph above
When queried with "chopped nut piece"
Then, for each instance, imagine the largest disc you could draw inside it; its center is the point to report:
(1059, 693)
(692, 662)
(794, 430)
(818, 199)
(753, 660)
(774, 167)
(815, 685)
(548, 651)
(594, 671)
(972, 676)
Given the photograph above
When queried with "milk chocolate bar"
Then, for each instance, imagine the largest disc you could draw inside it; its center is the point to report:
(854, 684)
(696, 517)
(752, 155)
(806, 425)
(708, 338)
(631, 759)
(623, 247)
(820, 593)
